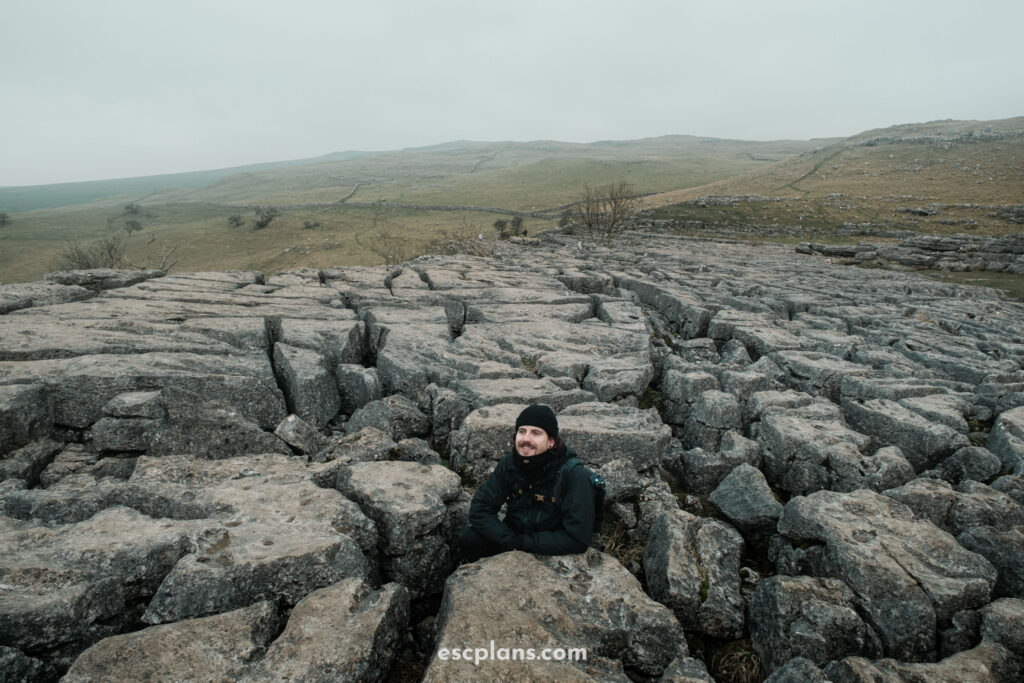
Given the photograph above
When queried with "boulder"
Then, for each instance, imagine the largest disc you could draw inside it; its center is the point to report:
(970, 462)
(300, 435)
(409, 503)
(923, 442)
(1002, 622)
(747, 502)
(1007, 439)
(988, 663)
(692, 565)
(311, 391)
(221, 647)
(344, 632)
(909, 576)
(1005, 550)
(26, 414)
(208, 429)
(700, 471)
(394, 415)
(572, 601)
(357, 386)
(803, 616)
(713, 413)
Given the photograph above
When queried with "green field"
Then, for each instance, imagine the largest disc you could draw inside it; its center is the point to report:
(814, 185)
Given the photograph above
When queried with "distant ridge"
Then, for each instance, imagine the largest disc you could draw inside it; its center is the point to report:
(31, 197)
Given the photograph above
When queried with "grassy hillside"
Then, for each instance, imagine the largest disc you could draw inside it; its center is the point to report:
(950, 176)
(946, 176)
(519, 176)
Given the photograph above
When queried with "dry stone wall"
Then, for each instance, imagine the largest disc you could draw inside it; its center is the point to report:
(200, 472)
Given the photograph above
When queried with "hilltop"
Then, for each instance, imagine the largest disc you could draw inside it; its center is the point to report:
(937, 177)
(944, 177)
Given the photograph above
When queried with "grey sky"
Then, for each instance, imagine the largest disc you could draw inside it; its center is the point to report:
(118, 88)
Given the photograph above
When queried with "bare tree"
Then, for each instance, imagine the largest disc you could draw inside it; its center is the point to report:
(620, 202)
(601, 211)
(164, 254)
(387, 240)
(235, 220)
(131, 225)
(103, 253)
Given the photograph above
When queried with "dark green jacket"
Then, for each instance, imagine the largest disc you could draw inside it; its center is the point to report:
(549, 526)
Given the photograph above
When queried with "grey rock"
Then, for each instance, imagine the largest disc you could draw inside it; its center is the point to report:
(419, 451)
(713, 413)
(311, 392)
(357, 386)
(338, 341)
(986, 662)
(961, 635)
(63, 584)
(804, 453)
(798, 670)
(29, 462)
(1011, 485)
(686, 670)
(15, 666)
(974, 504)
(123, 433)
(344, 632)
(1005, 550)
(970, 462)
(700, 471)
(80, 387)
(747, 501)
(1002, 621)
(586, 600)
(300, 435)
(692, 565)
(680, 388)
(923, 442)
(99, 279)
(208, 429)
(408, 501)
(394, 415)
(908, 575)
(622, 481)
(944, 409)
(813, 618)
(220, 647)
(26, 414)
(145, 404)
(1007, 439)
(45, 293)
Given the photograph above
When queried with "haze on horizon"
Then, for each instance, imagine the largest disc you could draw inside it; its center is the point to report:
(116, 88)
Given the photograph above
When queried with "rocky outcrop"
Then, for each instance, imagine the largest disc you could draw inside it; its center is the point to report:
(823, 460)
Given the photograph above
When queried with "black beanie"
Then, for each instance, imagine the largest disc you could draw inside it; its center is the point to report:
(539, 416)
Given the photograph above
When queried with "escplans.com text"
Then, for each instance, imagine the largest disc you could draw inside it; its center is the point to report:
(512, 654)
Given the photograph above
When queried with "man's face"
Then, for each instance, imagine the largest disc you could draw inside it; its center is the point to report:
(532, 441)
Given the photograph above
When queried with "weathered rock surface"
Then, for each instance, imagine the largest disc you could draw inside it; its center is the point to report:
(813, 618)
(909, 577)
(692, 565)
(147, 466)
(574, 601)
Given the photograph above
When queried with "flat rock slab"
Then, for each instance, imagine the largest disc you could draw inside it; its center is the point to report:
(220, 646)
(80, 387)
(573, 601)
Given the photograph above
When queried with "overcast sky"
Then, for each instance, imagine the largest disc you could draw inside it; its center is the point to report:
(94, 89)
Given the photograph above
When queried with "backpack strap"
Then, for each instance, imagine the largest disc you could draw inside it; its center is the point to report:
(562, 479)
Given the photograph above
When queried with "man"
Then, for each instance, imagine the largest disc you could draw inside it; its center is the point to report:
(539, 518)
